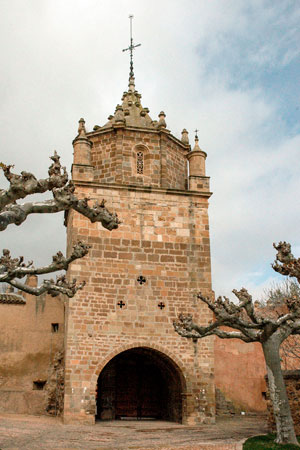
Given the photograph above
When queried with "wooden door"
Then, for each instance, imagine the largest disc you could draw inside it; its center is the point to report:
(138, 389)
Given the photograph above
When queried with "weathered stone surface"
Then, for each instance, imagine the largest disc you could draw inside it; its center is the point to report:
(224, 407)
(55, 385)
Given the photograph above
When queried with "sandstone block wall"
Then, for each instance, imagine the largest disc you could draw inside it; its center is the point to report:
(114, 155)
(164, 237)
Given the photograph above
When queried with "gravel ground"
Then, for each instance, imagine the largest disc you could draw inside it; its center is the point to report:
(42, 432)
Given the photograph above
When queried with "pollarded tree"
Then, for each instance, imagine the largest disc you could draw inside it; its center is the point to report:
(275, 303)
(13, 270)
(250, 324)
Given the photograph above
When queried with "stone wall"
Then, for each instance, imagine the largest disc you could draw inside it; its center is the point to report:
(114, 157)
(164, 238)
(292, 382)
(55, 385)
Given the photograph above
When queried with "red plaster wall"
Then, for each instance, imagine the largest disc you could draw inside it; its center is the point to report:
(27, 346)
(239, 373)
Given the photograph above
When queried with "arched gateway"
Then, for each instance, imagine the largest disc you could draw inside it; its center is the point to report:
(140, 383)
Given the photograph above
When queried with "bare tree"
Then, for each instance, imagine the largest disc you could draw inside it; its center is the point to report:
(275, 304)
(249, 324)
(12, 270)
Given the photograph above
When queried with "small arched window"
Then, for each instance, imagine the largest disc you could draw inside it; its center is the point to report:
(140, 163)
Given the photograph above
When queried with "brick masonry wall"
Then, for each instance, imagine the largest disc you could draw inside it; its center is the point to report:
(174, 164)
(114, 158)
(165, 238)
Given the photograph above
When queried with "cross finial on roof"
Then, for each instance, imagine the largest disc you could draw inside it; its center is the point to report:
(131, 48)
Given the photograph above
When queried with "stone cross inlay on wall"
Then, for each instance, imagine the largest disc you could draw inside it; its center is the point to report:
(121, 304)
(141, 279)
(161, 305)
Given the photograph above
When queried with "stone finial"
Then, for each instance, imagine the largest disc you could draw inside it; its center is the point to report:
(162, 122)
(185, 137)
(196, 160)
(81, 128)
(119, 114)
(196, 146)
(131, 85)
(82, 145)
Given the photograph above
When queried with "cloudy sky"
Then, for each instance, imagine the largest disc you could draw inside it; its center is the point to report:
(227, 67)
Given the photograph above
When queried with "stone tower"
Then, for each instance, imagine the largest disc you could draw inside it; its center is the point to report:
(123, 358)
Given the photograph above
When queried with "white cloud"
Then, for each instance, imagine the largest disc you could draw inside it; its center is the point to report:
(199, 62)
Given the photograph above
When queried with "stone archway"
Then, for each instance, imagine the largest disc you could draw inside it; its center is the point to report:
(140, 383)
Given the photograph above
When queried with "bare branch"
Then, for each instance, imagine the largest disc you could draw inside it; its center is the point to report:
(285, 262)
(64, 199)
(11, 268)
(185, 327)
(246, 303)
(228, 312)
(54, 288)
(98, 213)
(26, 184)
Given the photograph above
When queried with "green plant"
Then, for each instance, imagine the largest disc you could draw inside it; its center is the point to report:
(267, 442)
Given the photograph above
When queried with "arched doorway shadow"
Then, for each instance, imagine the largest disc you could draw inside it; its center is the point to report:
(140, 383)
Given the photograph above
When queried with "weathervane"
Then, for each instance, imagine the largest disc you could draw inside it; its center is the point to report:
(131, 48)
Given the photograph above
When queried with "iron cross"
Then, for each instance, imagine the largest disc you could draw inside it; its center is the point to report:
(131, 48)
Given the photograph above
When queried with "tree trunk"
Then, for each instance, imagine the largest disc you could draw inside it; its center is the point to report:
(282, 412)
